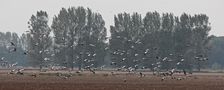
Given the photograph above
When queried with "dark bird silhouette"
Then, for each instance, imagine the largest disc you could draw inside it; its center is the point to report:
(12, 44)
(25, 53)
(185, 73)
(125, 80)
(141, 74)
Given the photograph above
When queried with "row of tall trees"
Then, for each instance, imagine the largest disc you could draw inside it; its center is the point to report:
(79, 39)
(39, 41)
(80, 36)
(160, 38)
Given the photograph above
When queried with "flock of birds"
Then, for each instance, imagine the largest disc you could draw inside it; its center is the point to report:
(156, 66)
(89, 63)
(11, 48)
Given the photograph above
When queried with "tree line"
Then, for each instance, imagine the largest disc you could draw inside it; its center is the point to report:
(77, 37)
(160, 38)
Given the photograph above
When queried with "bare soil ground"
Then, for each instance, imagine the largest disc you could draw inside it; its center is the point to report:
(104, 80)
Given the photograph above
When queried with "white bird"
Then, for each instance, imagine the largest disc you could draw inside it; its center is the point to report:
(106, 48)
(118, 36)
(14, 64)
(130, 69)
(132, 46)
(40, 51)
(123, 67)
(163, 78)
(155, 68)
(36, 44)
(52, 55)
(164, 59)
(146, 51)
(143, 67)
(172, 70)
(46, 59)
(205, 58)
(85, 60)
(196, 57)
(3, 58)
(113, 63)
(12, 71)
(46, 50)
(21, 69)
(178, 63)
(92, 45)
(114, 53)
(135, 60)
(91, 65)
(179, 78)
(101, 68)
(182, 60)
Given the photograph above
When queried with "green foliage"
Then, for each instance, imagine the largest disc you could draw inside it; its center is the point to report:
(39, 40)
(163, 36)
(216, 51)
(79, 35)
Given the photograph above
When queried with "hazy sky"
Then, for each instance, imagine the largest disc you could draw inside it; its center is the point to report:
(15, 13)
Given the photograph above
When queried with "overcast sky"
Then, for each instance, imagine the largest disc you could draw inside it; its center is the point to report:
(15, 13)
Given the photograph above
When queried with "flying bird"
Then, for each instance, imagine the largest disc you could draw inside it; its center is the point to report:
(12, 44)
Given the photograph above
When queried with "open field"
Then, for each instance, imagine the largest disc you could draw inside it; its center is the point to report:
(104, 80)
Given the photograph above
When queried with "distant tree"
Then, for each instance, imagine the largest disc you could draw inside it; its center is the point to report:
(15, 38)
(24, 41)
(92, 42)
(152, 26)
(126, 41)
(39, 40)
(8, 36)
(200, 38)
(216, 66)
(216, 51)
(166, 41)
(11, 49)
(80, 36)
(60, 27)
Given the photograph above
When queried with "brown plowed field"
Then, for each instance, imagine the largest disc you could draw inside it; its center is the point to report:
(107, 81)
